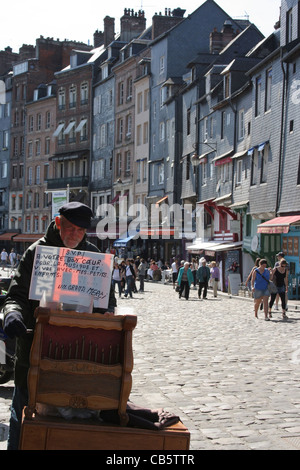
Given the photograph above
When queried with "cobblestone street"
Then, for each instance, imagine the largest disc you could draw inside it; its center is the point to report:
(232, 379)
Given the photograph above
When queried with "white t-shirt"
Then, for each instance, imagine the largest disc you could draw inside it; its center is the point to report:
(174, 267)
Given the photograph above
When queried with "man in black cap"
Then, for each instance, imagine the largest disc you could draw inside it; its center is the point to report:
(67, 230)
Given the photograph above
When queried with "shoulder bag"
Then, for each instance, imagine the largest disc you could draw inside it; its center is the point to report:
(271, 286)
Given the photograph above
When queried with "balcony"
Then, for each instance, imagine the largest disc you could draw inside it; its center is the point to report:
(73, 182)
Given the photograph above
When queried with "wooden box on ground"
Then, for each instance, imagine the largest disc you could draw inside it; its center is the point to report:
(48, 433)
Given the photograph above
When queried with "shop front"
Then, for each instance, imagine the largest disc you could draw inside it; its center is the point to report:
(282, 234)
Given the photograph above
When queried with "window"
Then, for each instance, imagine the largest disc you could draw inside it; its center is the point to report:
(257, 96)
(162, 64)
(223, 120)
(29, 180)
(127, 163)
(119, 165)
(128, 125)
(264, 164)
(227, 85)
(146, 133)
(289, 26)
(38, 175)
(72, 96)
(61, 99)
(38, 122)
(36, 200)
(254, 167)
(37, 147)
(162, 132)
(48, 119)
(203, 173)
(146, 100)
(268, 90)
(188, 121)
(84, 93)
(120, 93)
(139, 103)
(205, 129)
(72, 133)
(129, 89)
(188, 169)
(241, 130)
(83, 132)
(239, 171)
(161, 173)
(30, 125)
(291, 126)
(5, 139)
(30, 149)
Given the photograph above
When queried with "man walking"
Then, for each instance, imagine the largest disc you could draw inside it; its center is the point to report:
(203, 275)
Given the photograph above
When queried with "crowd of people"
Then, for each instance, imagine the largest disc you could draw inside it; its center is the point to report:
(183, 275)
(201, 274)
(12, 259)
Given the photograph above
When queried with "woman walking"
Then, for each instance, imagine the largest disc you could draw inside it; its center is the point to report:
(185, 279)
(215, 276)
(259, 283)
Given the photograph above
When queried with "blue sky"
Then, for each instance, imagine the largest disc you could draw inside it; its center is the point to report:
(65, 19)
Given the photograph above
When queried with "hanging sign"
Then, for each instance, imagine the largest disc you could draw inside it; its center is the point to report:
(71, 276)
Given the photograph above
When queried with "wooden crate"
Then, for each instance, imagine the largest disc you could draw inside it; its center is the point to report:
(45, 433)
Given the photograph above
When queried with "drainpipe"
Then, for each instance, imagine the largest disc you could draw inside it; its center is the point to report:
(281, 145)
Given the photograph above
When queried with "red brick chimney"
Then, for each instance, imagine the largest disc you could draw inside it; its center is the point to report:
(132, 24)
(162, 23)
(219, 40)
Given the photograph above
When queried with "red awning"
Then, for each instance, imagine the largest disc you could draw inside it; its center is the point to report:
(8, 235)
(28, 237)
(278, 225)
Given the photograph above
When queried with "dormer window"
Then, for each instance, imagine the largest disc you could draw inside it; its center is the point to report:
(227, 85)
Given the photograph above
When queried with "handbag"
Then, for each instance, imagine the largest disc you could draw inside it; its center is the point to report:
(271, 286)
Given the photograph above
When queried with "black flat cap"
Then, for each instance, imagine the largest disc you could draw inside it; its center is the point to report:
(77, 213)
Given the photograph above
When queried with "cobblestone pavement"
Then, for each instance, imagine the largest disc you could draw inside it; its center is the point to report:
(232, 379)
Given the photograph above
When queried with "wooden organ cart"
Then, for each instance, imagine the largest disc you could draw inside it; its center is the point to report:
(84, 361)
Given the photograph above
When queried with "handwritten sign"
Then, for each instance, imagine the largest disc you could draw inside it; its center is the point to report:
(71, 276)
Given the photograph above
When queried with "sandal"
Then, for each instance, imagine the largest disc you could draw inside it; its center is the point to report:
(284, 317)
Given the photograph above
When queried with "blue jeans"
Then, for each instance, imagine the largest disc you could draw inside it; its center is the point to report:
(19, 400)
(114, 282)
(129, 280)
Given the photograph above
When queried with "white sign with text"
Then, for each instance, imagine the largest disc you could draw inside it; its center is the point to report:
(71, 276)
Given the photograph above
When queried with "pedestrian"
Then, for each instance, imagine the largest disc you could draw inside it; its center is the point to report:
(215, 276)
(117, 277)
(142, 270)
(279, 257)
(130, 276)
(203, 276)
(185, 279)
(67, 230)
(174, 268)
(259, 283)
(280, 279)
(4, 257)
(12, 257)
(194, 267)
